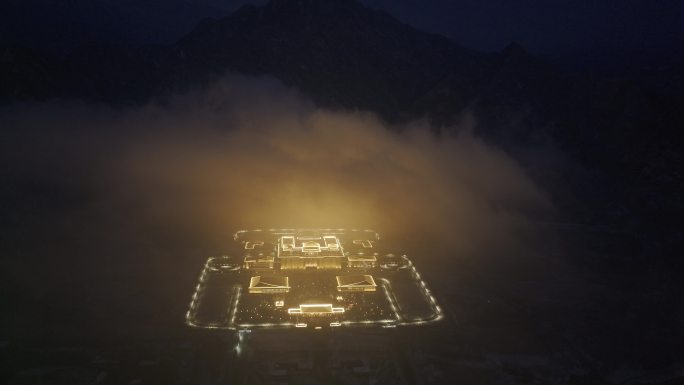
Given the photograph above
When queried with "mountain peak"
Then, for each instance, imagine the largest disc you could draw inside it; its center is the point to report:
(337, 49)
(515, 50)
(317, 5)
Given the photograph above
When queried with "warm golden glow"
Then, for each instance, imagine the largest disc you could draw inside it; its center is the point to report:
(314, 168)
(250, 153)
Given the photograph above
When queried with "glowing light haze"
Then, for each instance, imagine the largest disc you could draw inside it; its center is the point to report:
(251, 153)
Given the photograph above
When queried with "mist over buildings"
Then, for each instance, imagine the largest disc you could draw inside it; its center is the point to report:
(152, 188)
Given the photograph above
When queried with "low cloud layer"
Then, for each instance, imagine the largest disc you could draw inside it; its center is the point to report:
(251, 153)
(121, 206)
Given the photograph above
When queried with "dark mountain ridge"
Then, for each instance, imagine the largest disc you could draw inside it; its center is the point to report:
(340, 52)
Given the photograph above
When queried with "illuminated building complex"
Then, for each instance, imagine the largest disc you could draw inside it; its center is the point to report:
(323, 278)
(308, 250)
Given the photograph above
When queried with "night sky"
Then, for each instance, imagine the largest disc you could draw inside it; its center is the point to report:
(553, 27)
(557, 27)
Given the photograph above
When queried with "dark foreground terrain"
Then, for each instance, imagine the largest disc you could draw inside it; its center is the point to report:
(519, 319)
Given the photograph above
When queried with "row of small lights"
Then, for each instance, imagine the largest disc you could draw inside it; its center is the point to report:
(196, 301)
(439, 314)
(386, 286)
(288, 231)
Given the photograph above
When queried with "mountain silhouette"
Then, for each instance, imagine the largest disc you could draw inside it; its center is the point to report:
(339, 51)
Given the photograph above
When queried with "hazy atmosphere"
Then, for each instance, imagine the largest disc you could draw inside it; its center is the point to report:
(521, 164)
(245, 153)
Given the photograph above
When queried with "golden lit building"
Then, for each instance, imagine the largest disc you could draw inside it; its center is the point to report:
(258, 261)
(310, 251)
(269, 284)
(315, 309)
(362, 261)
(360, 254)
(301, 250)
(360, 282)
